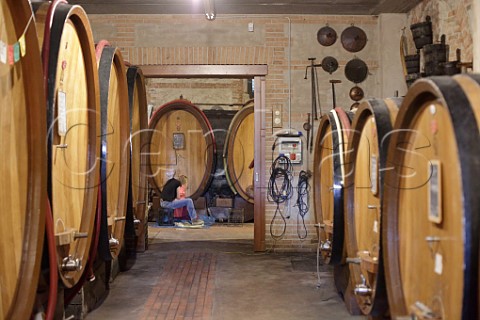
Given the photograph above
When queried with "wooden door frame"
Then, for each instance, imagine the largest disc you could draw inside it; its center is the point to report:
(258, 73)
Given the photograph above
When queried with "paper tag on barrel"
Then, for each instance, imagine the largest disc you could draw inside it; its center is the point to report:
(438, 263)
(435, 192)
(3, 52)
(62, 113)
(373, 174)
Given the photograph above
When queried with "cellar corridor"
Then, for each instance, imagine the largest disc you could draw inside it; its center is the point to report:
(212, 273)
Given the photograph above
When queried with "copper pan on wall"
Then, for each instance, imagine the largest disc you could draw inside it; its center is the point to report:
(356, 93)
(329, 64)
(353, 39)
(326, 36)
(356, 70)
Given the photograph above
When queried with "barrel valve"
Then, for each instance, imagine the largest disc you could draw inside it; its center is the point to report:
(70, 264)
(326, 246)
(362, 289)
(113, 242)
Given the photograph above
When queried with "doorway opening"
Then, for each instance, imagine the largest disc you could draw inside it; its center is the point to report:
(209, 87)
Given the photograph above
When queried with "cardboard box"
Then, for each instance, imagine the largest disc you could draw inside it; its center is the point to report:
(224, 202)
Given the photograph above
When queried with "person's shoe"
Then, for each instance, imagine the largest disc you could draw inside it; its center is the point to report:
(197, 222)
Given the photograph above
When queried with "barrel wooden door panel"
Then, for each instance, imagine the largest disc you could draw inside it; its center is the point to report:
(431, 232)
(73, 132)
(238, 153)
(115, 134)
(366, 160)
(24, 167)
(181, 141)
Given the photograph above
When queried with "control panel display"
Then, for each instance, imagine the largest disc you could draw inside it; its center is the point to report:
(290, 147)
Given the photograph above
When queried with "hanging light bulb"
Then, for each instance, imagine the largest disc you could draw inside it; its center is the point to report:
(209, 6)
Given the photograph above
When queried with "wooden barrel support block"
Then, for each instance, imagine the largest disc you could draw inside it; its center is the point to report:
(115, 134)
(24, 167)
(431, 226)
(238, 153)
(366, 160)
(138, 141)
(73, 119)
(181, 140)
(328, 181)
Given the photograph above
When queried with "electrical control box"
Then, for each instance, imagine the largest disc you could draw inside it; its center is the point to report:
(290, 147)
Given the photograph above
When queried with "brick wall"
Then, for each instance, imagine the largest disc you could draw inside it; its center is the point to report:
(475, 12)
(191, 39)
(454, 18)
(204, 93)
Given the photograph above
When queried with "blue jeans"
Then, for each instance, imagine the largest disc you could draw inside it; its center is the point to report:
(187, 202)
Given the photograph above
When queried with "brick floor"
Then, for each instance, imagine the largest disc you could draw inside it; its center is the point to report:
(184, 289)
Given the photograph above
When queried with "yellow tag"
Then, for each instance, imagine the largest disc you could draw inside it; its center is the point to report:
(23, 48)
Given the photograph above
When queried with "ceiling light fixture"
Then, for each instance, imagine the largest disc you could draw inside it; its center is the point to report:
(209, 6)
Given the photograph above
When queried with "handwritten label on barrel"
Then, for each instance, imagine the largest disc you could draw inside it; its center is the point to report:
(435, 192)
(62, 113)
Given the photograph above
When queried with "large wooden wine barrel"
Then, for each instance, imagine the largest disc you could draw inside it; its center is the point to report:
(238, 153)
(73, 119)
(24, 167)
(328, 182)
(366, 160)
(431, 203)
(138, 141)
(115, 134)
(181, 141)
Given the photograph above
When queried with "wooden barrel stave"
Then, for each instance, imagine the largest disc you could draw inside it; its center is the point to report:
(24, 170)
(73, 145)
(367, 149)
(239, 153)
(195, 158)
(435, 260)
(138, 142)
(115, 133)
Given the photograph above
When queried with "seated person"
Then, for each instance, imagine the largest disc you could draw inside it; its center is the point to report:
(170, 201)
(181, 213)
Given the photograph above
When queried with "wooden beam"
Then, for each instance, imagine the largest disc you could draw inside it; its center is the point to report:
(255, 7)
(260, 194)
(204, 71)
